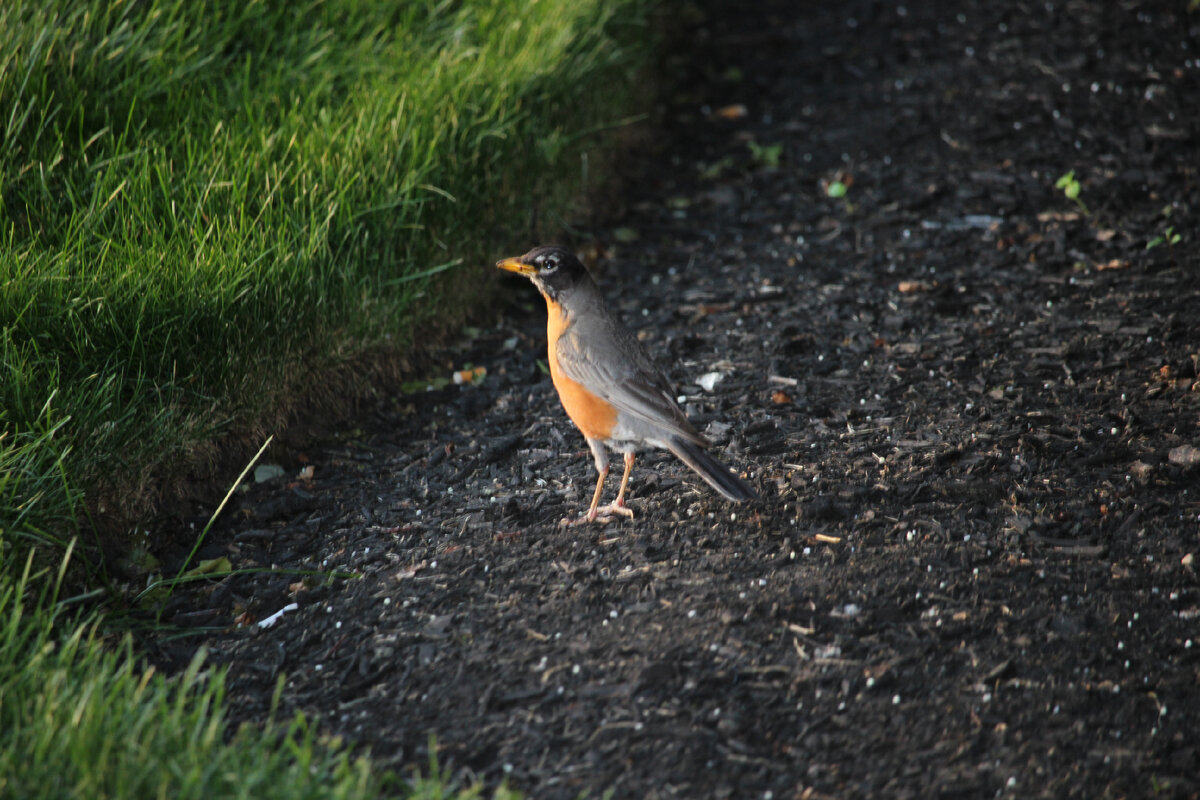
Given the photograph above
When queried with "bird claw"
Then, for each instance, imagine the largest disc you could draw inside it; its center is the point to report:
(620, 509)
(603, 515)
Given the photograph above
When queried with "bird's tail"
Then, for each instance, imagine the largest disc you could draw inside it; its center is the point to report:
(715, 474)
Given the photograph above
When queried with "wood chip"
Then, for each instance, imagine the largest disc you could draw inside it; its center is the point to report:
(1185, 455)
(733, 111)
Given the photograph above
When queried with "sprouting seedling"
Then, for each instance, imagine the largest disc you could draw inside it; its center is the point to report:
(838, 188)
(1071, 188)
(767, 155)
(1169, 237)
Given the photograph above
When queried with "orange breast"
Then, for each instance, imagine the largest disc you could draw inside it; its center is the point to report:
(593, 416)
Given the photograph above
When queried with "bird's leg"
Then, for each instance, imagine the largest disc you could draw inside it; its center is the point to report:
(592, 510)
(601, 457)
(618, 506)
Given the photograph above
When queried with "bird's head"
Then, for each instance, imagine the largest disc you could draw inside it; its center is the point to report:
(552, 269)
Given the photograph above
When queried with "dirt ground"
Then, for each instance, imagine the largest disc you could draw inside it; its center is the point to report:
(970, 405)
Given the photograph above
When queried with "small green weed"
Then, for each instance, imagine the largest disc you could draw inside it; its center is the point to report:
(1168, 237)
(1071, 189)
(835, 189)
(838, 188)
(766, 155)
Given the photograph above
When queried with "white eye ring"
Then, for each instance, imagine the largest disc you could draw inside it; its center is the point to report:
(549, 264)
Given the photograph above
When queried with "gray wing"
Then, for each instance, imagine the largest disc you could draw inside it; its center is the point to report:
(609, 361)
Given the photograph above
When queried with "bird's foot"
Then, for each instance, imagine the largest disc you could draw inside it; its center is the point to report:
(618, 508)
(602, 515)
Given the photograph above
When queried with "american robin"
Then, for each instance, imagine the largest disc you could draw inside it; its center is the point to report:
(608, 384)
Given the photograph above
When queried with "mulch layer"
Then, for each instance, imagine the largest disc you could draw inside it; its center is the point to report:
(970, 404)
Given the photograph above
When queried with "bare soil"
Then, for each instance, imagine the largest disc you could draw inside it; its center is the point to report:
(970, 406)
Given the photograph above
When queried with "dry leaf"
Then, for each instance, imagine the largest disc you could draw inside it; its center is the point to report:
(1116, 263)
(780, 398)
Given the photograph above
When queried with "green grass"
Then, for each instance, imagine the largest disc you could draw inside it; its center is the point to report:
(212, 213)
(206, 206)
(79, 719)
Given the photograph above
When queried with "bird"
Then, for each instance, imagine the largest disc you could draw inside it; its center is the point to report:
(608, 384)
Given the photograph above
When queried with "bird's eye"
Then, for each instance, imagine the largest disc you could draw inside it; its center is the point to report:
(549, 264)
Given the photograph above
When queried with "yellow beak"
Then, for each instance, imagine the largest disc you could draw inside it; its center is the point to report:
(515, 264)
